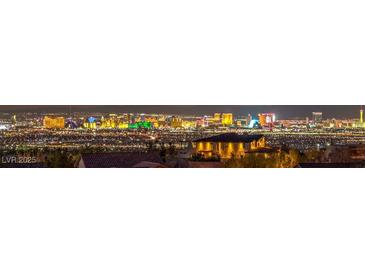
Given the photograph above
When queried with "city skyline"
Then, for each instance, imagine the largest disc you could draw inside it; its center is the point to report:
(176, 136)
(282, 111)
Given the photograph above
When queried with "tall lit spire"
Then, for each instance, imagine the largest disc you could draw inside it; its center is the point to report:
(361, 115)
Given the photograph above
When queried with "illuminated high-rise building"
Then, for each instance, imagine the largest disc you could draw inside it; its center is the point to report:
(188, 124)
(153, 120)
(361, 115)
(53, 122)
(111, 122)
(217, 117)
(360, 123)
(200, 122)
(143, 117)
(13, 120)
(249, 118)
(227, 119)
(241, 121)
(205, 121)
(267, 119)
(317, 117)
(176, 122)
(131, 118)
(90, 123)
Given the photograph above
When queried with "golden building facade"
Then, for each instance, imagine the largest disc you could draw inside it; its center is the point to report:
(217, 117)
(53, 122)
(227, 119)
(188, 124)
(90, 125)
(176, 122)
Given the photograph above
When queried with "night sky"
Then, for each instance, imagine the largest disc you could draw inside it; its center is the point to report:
(282, 111)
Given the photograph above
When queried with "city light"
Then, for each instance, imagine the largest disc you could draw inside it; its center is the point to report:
(224, 139)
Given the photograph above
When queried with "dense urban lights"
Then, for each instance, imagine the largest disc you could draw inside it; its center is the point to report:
(96, 132)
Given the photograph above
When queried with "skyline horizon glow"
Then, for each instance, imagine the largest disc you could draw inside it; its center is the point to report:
(282, 111)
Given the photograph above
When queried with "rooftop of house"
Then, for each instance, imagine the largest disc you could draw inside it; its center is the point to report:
(200, 164)
(231, 138)
(23, 165)
(121, 160)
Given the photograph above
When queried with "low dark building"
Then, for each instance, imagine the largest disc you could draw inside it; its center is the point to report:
(121, 160)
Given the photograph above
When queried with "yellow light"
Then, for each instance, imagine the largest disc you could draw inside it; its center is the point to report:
(227, 119)
(57, 122)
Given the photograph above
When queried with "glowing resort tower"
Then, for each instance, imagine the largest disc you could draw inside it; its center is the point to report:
(360, 123)
(361, 116)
